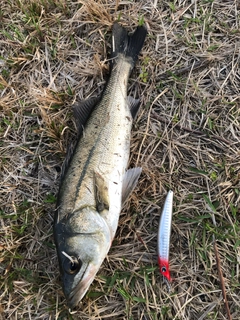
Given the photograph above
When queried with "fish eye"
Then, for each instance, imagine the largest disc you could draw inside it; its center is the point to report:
(72, 266)
(164, 269)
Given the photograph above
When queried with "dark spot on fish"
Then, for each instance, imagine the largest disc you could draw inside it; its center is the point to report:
(107, 117)
(128, 118)
(89, 190)
(115, 182)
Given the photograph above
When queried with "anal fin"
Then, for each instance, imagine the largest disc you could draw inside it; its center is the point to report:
(133, 105)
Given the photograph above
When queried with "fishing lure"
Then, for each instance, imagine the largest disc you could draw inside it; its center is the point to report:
(164, 232)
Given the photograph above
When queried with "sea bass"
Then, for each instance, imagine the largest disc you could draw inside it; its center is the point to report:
(95, 183)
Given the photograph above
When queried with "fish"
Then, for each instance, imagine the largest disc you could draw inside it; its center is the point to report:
(95, 182)
(164, 233)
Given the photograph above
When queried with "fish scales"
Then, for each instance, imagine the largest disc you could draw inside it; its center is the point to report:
(96, 181)
(104, 146)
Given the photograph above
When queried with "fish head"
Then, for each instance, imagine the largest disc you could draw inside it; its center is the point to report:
(82, 244)
(78, 271)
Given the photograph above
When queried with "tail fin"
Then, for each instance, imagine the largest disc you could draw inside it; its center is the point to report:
(128, 45)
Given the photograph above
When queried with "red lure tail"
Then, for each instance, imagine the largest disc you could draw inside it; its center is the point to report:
(164, 268)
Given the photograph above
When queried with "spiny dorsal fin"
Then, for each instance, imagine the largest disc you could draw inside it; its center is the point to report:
(83, 110)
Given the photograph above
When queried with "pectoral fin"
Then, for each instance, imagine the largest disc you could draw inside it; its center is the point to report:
(101, 193)
(129, 182)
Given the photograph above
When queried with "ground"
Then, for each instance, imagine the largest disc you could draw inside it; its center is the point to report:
(186, 138)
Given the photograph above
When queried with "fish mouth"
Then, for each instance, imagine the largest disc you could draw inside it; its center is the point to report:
(81, 288)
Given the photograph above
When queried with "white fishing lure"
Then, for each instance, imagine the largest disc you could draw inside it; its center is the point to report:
(164, 233)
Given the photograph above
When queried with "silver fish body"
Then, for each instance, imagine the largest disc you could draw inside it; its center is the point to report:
(96, 183)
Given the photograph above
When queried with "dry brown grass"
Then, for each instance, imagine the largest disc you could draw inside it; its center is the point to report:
(186, 138)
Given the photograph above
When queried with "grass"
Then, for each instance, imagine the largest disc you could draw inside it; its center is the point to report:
(186, 137)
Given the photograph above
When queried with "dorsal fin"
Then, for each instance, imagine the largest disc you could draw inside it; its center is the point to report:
(83, 110)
